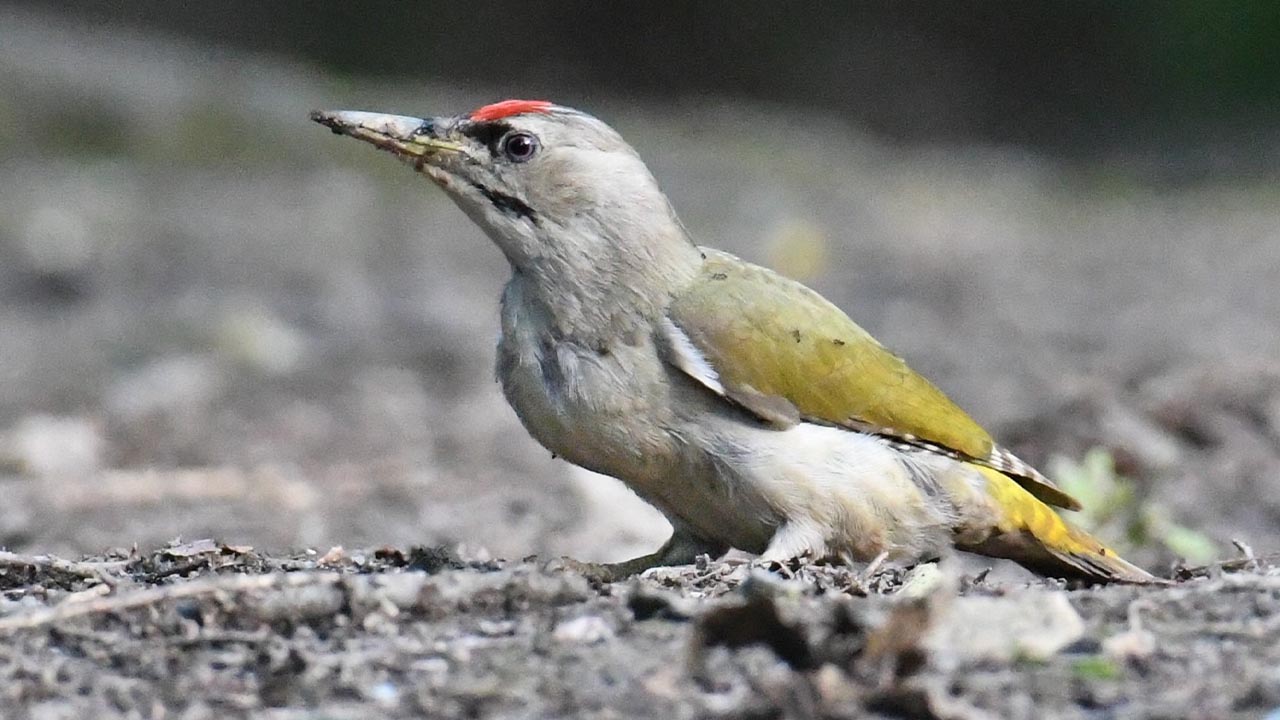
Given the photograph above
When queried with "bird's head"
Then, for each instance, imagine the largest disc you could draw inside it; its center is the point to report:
(560, 192)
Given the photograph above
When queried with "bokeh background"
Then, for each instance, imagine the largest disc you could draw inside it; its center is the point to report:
(219, 320)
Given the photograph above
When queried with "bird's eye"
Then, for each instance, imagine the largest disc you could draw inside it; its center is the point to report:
(520, 146)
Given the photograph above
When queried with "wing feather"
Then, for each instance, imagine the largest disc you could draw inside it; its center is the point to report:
(808, 360)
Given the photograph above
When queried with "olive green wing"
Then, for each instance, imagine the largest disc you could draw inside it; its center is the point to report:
(786, 354)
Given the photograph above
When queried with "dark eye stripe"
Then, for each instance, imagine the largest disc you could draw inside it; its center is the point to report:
(486, 133)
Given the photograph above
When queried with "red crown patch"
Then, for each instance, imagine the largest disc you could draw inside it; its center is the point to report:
(507, 108)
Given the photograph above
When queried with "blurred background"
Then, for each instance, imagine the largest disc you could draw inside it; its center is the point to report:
(216, 319)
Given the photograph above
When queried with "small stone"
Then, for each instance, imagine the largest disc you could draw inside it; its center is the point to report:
(336, 555)
(384, 694)
(834, 688)
(496, 628)
(1137, 644)
(922, 581)
(586, 630)
(1032, 625)
(648, 603)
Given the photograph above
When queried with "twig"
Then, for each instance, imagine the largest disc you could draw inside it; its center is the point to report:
(155, 595)
(87, 570)
(198, 562)
(1242, 563)
(1245, 550)
(1246, 563)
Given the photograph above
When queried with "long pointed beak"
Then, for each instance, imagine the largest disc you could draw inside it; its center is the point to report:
(408, 137)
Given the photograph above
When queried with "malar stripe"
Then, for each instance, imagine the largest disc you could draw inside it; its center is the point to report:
(506, 203)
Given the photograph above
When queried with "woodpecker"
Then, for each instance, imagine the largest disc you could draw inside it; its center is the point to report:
(753, 413)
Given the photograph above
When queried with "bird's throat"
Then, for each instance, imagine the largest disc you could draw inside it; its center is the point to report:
(597, 309)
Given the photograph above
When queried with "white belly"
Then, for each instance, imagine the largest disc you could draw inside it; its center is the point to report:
(845, 493)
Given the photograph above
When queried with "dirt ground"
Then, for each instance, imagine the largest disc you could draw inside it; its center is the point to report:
(219, 321)
(203, 630)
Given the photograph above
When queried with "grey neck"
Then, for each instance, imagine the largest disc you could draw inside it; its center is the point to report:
(601, 300)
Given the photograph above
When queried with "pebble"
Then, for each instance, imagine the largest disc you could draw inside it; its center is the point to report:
(586, 630)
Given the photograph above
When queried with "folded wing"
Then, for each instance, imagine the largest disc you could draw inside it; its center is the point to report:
(784, 353)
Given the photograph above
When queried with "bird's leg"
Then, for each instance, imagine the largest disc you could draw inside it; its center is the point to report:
(873, 567)
(682, 548)
(792, 541)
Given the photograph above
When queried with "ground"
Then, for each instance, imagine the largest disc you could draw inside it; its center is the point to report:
(203, 630)
(220, 321)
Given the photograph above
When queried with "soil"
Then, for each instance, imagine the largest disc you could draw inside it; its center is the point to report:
(219, 321)
(204, 630)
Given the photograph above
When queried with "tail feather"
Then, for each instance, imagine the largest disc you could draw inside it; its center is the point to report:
(1031, 534)
(1097, 561)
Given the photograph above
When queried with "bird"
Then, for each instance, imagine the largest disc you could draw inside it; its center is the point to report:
(748, 409)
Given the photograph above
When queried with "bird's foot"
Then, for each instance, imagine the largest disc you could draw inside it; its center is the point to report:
(601, 573)
(680, 549)
(873, 567)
